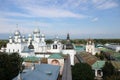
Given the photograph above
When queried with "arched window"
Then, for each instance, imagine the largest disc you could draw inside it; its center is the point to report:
(9, 50)
(55, 62)
(54, 46)
(13, 50)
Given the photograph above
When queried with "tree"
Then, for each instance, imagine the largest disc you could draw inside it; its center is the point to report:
(108, 70)
(49, 41)
(3, 43)
(100, 56)
(82, 71)
(97, 55)
(9, 65)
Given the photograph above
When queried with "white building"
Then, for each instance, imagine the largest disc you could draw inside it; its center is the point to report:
(16, 43)
(90, 47)
(113, 47)
(35, 45)
(26, 47)
(66, 49)
(39, 41)
(55, 47)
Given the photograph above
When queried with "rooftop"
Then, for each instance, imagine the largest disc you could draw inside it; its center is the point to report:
(88, 58)
(26, 50)
(98, 64)
(113, 53)
(116, 64)
(41, 72)
(56, 56)
(31, 59)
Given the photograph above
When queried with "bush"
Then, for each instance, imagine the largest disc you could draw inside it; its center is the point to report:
(82, 71)
(9, 65)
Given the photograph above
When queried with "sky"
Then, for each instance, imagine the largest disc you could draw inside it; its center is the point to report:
(79, 18)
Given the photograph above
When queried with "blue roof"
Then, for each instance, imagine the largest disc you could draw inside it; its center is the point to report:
(26, 50)
(41, 72)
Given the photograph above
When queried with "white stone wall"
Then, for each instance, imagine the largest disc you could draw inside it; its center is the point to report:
(71, 53)
(15, 47)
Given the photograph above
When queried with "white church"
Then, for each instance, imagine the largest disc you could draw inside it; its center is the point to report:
(35, 45)
(26, 47)
(90, 47)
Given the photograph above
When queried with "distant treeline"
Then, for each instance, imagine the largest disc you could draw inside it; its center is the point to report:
(103, 41)
(75, 41)
(83, 41)
(3, 43)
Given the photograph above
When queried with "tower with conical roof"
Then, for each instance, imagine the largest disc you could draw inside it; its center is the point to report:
(68, 37)
(68, 48)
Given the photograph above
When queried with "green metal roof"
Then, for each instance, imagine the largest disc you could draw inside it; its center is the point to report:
(79, 48)
(31, 59)
(56, 56)
(98, 64)
(113, 53)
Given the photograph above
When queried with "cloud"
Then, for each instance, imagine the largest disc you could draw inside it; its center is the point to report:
(105, 4)
(52, 13)
(8, 25)
(15, 14)
(95, 19)
(56, 8)
(48, 8)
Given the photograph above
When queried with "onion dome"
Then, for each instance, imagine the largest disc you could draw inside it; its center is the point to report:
(42, 35)
(29, 36)
(10, 37)
(37, 30)
(19, 37)
(68, 44)
(17, 33)
(68, 37)
(23, 37)
(31, 46)
(90, 41)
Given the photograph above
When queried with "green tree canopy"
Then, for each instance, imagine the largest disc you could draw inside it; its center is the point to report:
(3, 43)
(9, 65)
(82, 71)
(108, 70)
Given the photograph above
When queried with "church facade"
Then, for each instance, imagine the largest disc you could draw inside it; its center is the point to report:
(35, 45)
(90, 47)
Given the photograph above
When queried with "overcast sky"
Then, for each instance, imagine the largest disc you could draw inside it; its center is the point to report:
(80, 18)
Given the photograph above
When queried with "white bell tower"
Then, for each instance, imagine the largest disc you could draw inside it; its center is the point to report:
(90, 47)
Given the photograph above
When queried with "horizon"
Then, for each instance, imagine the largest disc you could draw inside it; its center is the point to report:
(81, 18)
(6, 37)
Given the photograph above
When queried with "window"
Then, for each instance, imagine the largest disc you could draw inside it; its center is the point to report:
(54, 46)
(9, 50)
(13, 50)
